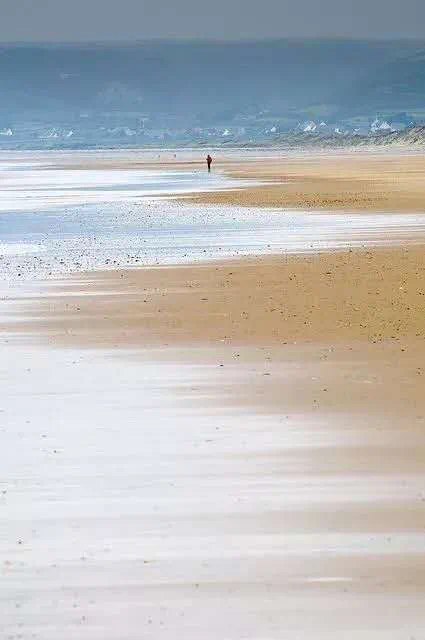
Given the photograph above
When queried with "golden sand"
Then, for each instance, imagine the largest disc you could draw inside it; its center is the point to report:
(344, 181)
(374, 295)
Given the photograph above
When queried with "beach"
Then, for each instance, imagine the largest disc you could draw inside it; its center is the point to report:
(359, 180)
(223, 436)
(388, 180)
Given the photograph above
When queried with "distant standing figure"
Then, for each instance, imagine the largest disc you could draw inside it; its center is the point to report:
(209, 161)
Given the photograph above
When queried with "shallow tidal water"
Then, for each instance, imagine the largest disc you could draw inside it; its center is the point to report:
(61, 220)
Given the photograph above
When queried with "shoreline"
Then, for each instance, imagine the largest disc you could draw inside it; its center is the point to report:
(345, 180)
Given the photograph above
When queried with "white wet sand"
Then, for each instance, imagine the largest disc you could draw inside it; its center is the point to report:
(135, 503)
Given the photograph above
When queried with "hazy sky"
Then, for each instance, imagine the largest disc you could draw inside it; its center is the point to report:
(71, 20)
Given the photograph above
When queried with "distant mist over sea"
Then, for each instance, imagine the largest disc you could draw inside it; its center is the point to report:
(205, 93)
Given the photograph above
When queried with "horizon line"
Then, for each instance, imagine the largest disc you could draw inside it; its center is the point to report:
(212, 40)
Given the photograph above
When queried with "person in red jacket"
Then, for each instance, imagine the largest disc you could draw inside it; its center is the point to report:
(209, 161)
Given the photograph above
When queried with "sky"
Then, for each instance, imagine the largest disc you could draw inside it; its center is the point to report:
(129, 20)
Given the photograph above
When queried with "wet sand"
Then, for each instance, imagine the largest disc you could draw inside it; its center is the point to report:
(343, 180)
(253, 459)
(212, 492)
(220, 451)
(340, 332)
